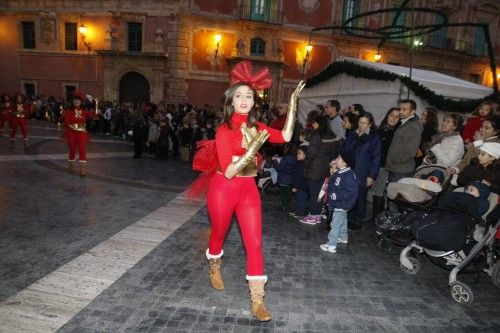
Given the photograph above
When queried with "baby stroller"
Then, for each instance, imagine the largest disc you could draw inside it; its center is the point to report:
(455, 240)
(394, 228)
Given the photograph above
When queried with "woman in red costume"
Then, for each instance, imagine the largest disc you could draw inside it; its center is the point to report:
(5, 107)
(76, 133)
(232, 188)
(19, 114)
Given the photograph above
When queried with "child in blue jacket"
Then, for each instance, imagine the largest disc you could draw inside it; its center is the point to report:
(342, 195)
(285, 167)
(300, 186)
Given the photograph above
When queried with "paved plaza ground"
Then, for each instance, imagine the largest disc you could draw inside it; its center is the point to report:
(122, 251)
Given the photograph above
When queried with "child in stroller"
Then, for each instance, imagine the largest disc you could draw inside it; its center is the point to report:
(414, 197)
(447, 234)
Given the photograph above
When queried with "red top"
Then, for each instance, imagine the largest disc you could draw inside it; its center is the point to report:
(473, 124)
(80, 116)
(228, 141)
(24, 109)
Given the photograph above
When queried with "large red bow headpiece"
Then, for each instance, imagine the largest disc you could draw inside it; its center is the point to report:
(242, 72)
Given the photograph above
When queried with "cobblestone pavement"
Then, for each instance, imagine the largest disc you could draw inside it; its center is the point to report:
(53, 217)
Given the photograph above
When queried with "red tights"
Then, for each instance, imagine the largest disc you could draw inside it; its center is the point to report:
(240, 195)
(21, 122)
(77, 139)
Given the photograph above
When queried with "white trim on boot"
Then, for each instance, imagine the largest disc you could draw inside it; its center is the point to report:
(211, 256)
(257, 278)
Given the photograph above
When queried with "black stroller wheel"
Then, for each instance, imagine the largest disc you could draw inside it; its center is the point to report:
(461, 293)
(495, 274)
(385, 245)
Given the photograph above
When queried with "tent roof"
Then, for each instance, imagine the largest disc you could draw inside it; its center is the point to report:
(440, 86)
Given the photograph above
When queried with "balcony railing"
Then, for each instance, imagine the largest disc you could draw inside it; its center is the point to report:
(443, 42)
(459, 45)
(250, 13)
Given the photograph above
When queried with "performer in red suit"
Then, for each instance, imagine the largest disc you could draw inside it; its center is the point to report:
(5, 106)
(76, 133)
(19, 114)
(232, 188)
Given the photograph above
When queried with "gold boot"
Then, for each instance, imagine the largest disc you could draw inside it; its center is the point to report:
(257, 297)
(83, 169)
(214, 272)
(71, 166)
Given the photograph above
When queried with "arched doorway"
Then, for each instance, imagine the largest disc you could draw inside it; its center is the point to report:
(134, 87)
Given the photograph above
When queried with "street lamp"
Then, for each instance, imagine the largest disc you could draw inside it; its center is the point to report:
(83, 30)
(217, 39)
(377, 56)
(306, 58)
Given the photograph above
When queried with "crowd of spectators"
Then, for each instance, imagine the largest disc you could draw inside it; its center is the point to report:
(384, 154)
(378, 154)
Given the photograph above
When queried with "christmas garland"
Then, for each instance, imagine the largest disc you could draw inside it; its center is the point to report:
(358, 71)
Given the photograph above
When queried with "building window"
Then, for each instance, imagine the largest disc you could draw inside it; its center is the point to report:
(134, 37)
(28, 34)
(438, 38)
(257, 47)
(70, 36)
(260, 10)
(351, 8)
(29, 89)
(400, 22)
(479, 44)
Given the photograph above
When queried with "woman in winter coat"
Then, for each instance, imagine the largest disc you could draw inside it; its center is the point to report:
(366, 147)
(385, 131)
(447, 147)
(323, 148)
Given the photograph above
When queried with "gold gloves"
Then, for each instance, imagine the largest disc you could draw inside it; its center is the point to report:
(252, 149)
(291, 116)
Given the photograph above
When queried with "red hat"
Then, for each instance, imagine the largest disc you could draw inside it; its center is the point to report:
(242, 72)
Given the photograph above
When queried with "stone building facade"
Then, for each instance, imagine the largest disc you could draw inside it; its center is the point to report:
(182, 50)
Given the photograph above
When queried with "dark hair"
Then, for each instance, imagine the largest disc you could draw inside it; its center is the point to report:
(359, 108)
(306, 133)
(303, 148)
(369, 116)
(229, 110)
(495, 122)
(458, 120)
(5, 98)
(290, 149)
(353, 119)
(412, 103)
(311, 115)
(334, 103)
(431, 119)
(384, 123)
(324, 129)
(320, 107)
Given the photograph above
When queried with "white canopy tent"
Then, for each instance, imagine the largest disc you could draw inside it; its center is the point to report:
(377, 96)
